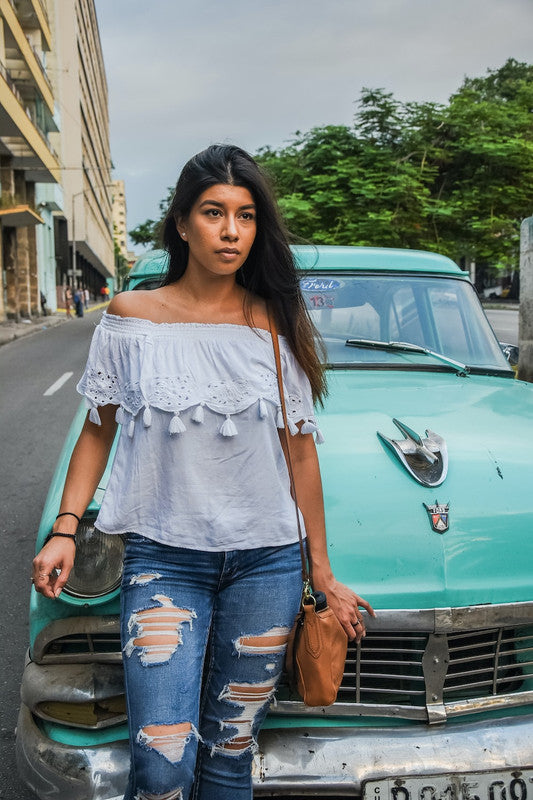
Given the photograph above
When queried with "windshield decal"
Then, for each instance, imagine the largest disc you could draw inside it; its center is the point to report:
(319, 284)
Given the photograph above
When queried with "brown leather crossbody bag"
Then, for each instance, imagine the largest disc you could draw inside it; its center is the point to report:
(317, 646)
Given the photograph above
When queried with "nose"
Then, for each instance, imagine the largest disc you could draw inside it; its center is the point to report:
(229, 230)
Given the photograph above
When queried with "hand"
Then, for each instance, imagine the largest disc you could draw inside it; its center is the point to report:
(52, 566)
(346, 605)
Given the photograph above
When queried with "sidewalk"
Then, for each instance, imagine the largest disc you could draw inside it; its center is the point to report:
(9, 331)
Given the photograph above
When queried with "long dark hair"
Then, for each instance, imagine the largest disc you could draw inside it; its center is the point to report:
(269, 271)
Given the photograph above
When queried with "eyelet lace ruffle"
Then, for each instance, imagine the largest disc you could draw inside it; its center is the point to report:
(122, 371)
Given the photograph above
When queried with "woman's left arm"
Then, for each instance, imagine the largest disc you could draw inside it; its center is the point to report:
(341, 599)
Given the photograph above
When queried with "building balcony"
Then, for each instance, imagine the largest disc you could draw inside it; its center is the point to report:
(21, 57)
(32, 14)
(22, 138)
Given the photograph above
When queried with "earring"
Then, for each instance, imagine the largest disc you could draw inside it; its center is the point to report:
(184, 234)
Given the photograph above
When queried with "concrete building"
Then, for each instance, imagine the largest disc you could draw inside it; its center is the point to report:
(27, 155)
(84, 234)
(119, 218)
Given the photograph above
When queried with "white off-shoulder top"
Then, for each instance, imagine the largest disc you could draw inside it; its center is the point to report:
(199, 462)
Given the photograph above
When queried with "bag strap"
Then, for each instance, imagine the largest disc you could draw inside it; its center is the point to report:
(275, 343)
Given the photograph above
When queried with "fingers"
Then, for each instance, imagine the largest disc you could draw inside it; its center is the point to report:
(365, 604)
(51, 568)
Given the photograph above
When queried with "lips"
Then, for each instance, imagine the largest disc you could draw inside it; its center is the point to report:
(229, 250)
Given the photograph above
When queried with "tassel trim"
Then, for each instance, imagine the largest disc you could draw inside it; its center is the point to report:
(228, 427)
(120, 416)
(176, 424)
(198, 415)
(94, 416)
(147, 416)
(262, 408)
(309, 427)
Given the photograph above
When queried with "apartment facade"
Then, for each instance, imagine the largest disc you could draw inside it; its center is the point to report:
(56, 224)
(81, 87)
(119, 218)
(27, 155)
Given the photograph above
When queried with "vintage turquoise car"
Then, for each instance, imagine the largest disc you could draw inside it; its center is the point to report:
(428, 474)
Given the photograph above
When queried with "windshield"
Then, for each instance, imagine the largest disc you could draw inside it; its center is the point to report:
(436, 313)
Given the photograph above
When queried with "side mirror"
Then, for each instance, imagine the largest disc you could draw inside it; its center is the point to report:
(510, 352)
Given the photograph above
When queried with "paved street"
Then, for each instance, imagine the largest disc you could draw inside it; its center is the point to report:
(505, 323)
(32, 429)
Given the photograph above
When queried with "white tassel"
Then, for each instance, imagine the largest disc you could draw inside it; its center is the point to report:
(176, 424)
(120, 417)
(279, 419)
(228, 428)
(319, 438)
(147, 416)
(131, 427)
(308, 427)
(293, 427)
(94, 416)
(198, 415)
(262, 408)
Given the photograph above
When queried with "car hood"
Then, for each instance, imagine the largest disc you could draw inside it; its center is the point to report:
(380, 537)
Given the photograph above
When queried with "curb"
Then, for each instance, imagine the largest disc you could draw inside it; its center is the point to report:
(9, 331)
(96, 307)
(18, 330)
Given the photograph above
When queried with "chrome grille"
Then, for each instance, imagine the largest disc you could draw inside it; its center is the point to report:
(431, 665)
(84, 647)
(489, 662)
(387, 668)
(427, 665)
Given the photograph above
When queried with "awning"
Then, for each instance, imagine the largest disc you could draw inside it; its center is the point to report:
(19, 216)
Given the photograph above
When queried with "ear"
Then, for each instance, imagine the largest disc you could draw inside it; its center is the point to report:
(181, 227)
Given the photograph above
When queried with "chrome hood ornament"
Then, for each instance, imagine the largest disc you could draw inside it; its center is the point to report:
(426, 460)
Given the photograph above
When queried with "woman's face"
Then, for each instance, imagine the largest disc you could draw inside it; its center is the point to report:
(220, 229)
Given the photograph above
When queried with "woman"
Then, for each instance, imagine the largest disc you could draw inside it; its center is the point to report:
(199, 486)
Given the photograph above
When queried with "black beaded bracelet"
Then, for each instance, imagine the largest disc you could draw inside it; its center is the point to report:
(57, 533)
(68, 514)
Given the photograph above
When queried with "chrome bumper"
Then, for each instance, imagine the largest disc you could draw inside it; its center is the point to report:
(298, 761)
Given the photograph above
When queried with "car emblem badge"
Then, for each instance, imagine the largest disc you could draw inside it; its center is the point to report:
(426, 460)
(439, 516)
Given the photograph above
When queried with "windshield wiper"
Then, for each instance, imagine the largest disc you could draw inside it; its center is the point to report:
(408, 347)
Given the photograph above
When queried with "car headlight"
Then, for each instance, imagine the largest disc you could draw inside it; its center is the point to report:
(97, 567)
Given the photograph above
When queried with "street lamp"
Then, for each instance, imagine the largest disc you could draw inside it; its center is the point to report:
(73, 272)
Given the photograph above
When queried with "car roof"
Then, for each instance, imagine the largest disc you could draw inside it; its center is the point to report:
(154, 262)
(374, 258)
(331, 257)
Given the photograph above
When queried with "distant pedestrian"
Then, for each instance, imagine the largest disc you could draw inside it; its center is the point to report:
(44, 309)
(68, 301)
(86, 297)
(78, 302)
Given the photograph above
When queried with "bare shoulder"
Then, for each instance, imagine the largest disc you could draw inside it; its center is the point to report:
(132, 304)
(259, 311)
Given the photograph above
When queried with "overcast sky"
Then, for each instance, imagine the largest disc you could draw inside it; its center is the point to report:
(184, 75)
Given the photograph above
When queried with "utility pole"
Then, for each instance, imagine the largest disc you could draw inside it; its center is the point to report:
(525, 329)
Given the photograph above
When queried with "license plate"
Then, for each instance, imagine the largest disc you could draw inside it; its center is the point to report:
(509, 784)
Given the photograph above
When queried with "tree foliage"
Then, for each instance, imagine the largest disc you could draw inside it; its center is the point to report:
(455, 178)
(452, 177)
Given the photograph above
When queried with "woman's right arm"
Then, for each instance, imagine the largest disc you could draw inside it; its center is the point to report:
(86, 467)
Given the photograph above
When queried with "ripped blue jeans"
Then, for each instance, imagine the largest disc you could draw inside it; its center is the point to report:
(204, 637)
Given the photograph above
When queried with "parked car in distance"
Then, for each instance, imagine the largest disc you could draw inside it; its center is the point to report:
(427, 470)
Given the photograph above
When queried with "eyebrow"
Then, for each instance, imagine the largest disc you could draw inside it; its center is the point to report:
(221, 205)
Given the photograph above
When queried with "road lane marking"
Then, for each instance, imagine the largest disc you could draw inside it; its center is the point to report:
(58, 384)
